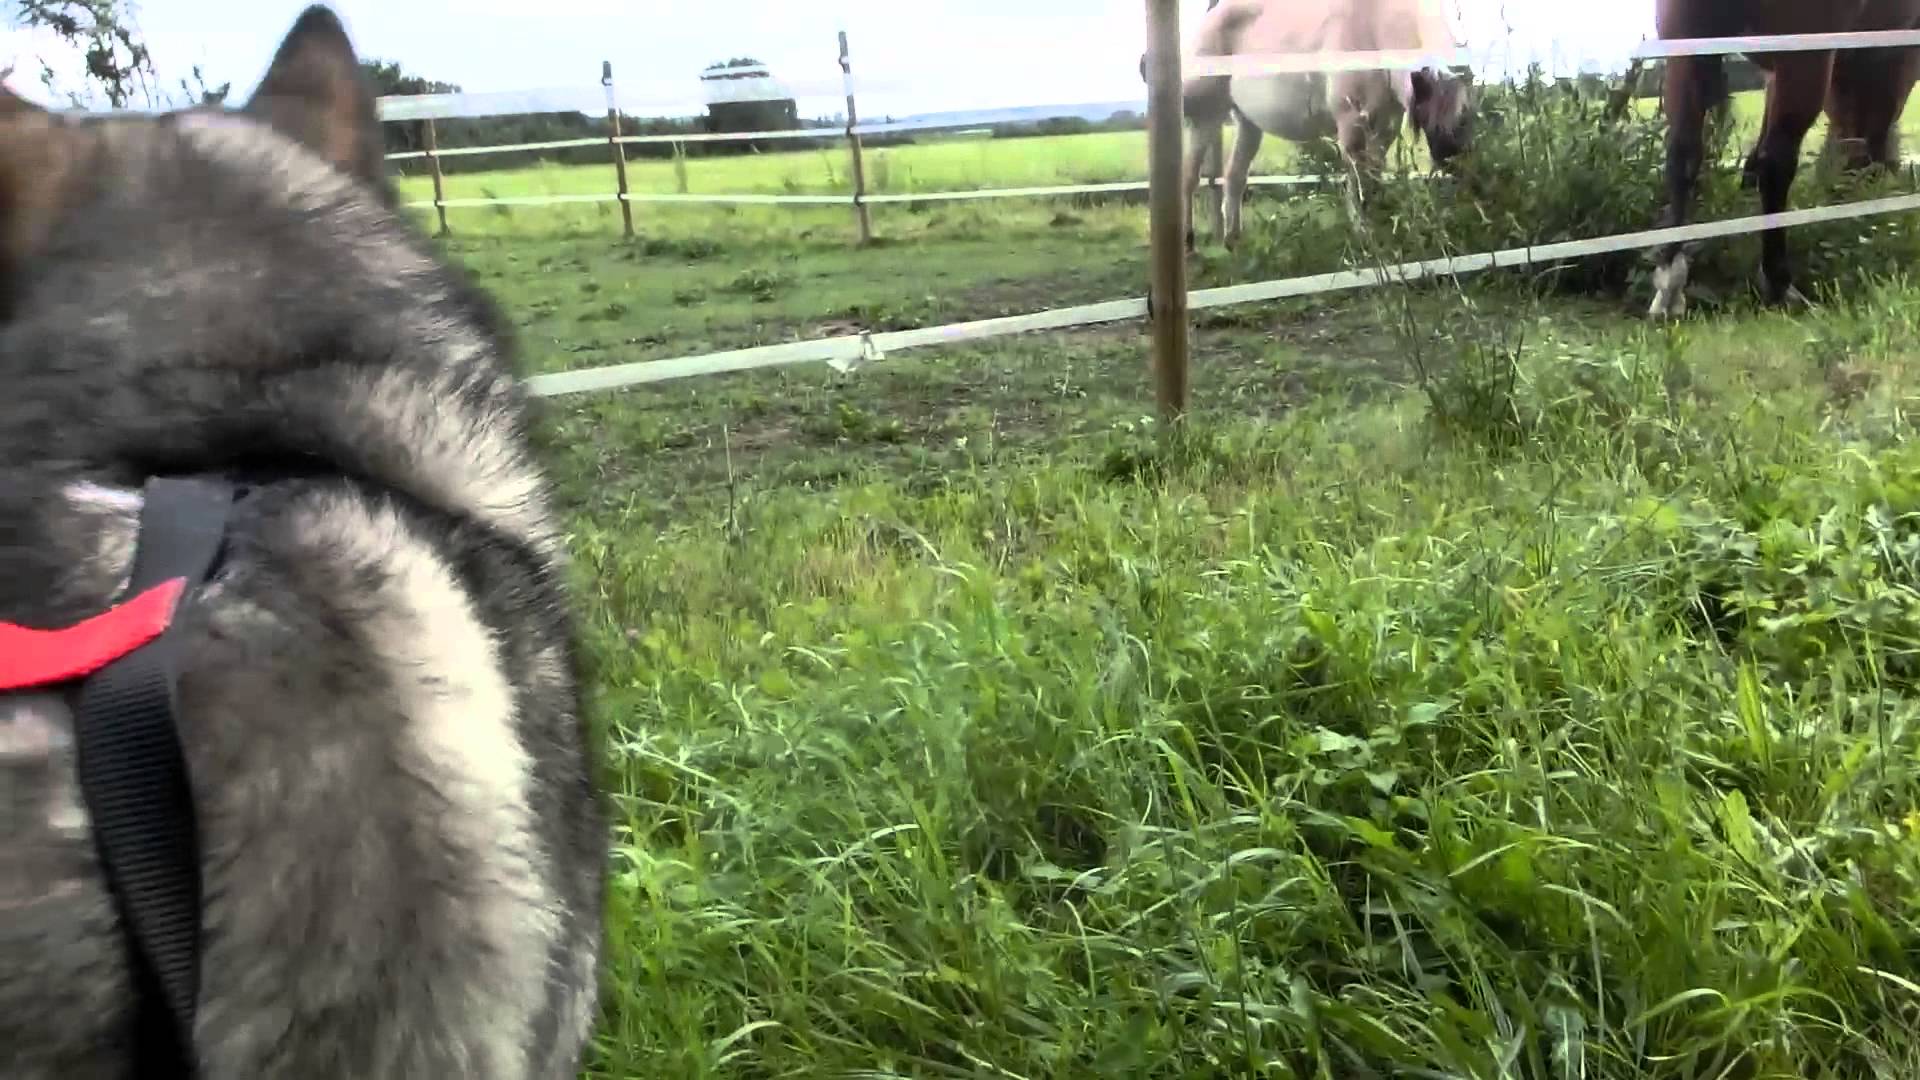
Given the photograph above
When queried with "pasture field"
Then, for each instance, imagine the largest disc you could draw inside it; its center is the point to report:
(935, 163)
(1488, 684)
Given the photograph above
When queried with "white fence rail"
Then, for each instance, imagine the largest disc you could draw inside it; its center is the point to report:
(907, 197)
(1728, 46)
(488, 104)
(849, 351)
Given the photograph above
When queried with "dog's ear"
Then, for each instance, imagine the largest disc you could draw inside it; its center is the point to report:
(315, 93)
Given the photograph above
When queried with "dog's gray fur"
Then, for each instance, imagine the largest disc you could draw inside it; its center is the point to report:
(402, 850)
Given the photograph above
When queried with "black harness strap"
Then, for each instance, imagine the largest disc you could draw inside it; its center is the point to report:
(134, 778)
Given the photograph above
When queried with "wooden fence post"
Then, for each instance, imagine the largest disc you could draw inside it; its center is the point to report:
(861, 213)
(439, 190)
(619, 148)
(1167, 298)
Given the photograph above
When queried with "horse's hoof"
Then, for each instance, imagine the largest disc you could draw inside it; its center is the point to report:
(1670, 288)
(1790, 298)
(1783, 294)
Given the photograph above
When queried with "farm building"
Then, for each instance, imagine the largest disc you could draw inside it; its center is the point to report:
(743, 95)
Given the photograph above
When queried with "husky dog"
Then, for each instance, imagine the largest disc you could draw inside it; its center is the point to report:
(401, 848)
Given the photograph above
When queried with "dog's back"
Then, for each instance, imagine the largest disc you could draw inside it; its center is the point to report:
(402, 854)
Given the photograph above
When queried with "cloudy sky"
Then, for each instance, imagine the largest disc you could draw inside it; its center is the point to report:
(914, 56)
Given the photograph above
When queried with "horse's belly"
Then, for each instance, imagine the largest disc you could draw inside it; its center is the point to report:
(1291, 106)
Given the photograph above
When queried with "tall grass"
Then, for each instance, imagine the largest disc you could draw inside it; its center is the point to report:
(1568, 731)
(1549, 164)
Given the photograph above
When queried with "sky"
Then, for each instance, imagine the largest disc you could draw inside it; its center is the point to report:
(909, 57)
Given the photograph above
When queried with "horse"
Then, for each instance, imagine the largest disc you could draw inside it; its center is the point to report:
(1862, 92)
(1361, 110)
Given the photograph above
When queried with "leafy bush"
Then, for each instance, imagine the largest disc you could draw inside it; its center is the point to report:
(1549, 163)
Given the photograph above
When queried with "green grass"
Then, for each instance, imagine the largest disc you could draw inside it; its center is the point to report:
(759, 278)
(1487, 685)
(1560, 730)
(937, 163)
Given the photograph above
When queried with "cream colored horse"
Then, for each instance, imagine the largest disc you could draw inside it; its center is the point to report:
(1362, 110)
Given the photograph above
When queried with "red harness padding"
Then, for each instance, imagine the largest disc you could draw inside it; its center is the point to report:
(32, 658)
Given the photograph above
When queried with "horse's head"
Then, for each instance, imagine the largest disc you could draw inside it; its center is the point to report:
(1443, 112)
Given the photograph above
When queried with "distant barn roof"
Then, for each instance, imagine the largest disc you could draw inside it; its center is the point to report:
(728, 85)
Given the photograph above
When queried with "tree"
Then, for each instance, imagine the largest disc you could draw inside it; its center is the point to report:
(1742, 75)
(199, 92)
(104, 33)
(389, 80)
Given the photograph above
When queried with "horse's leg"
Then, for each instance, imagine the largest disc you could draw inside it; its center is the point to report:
(1750, 169)
(1694, 83)
(1849, 135)
(1216, 155)
(1190, 175)
(1795, 99)
(1203, 156)
(1868, 91)
(1246, 145)
(1898, 91)
(1205, 103)
(1347, 98)
(1190, 180)
(1355, 136)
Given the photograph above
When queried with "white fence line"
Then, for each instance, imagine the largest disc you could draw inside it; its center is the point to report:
(1722, 46)
(1281, 180)
(589, 99)
(848, 199)
(1197, 67)
(505, 148)
(935, 122)
(738, 136)
(849, 351)
(1051, 191)
(632, 197)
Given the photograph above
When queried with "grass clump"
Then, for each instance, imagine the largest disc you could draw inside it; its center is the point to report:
(1554, 161)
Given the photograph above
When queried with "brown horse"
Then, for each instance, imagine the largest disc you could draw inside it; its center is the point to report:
(1862, 92)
